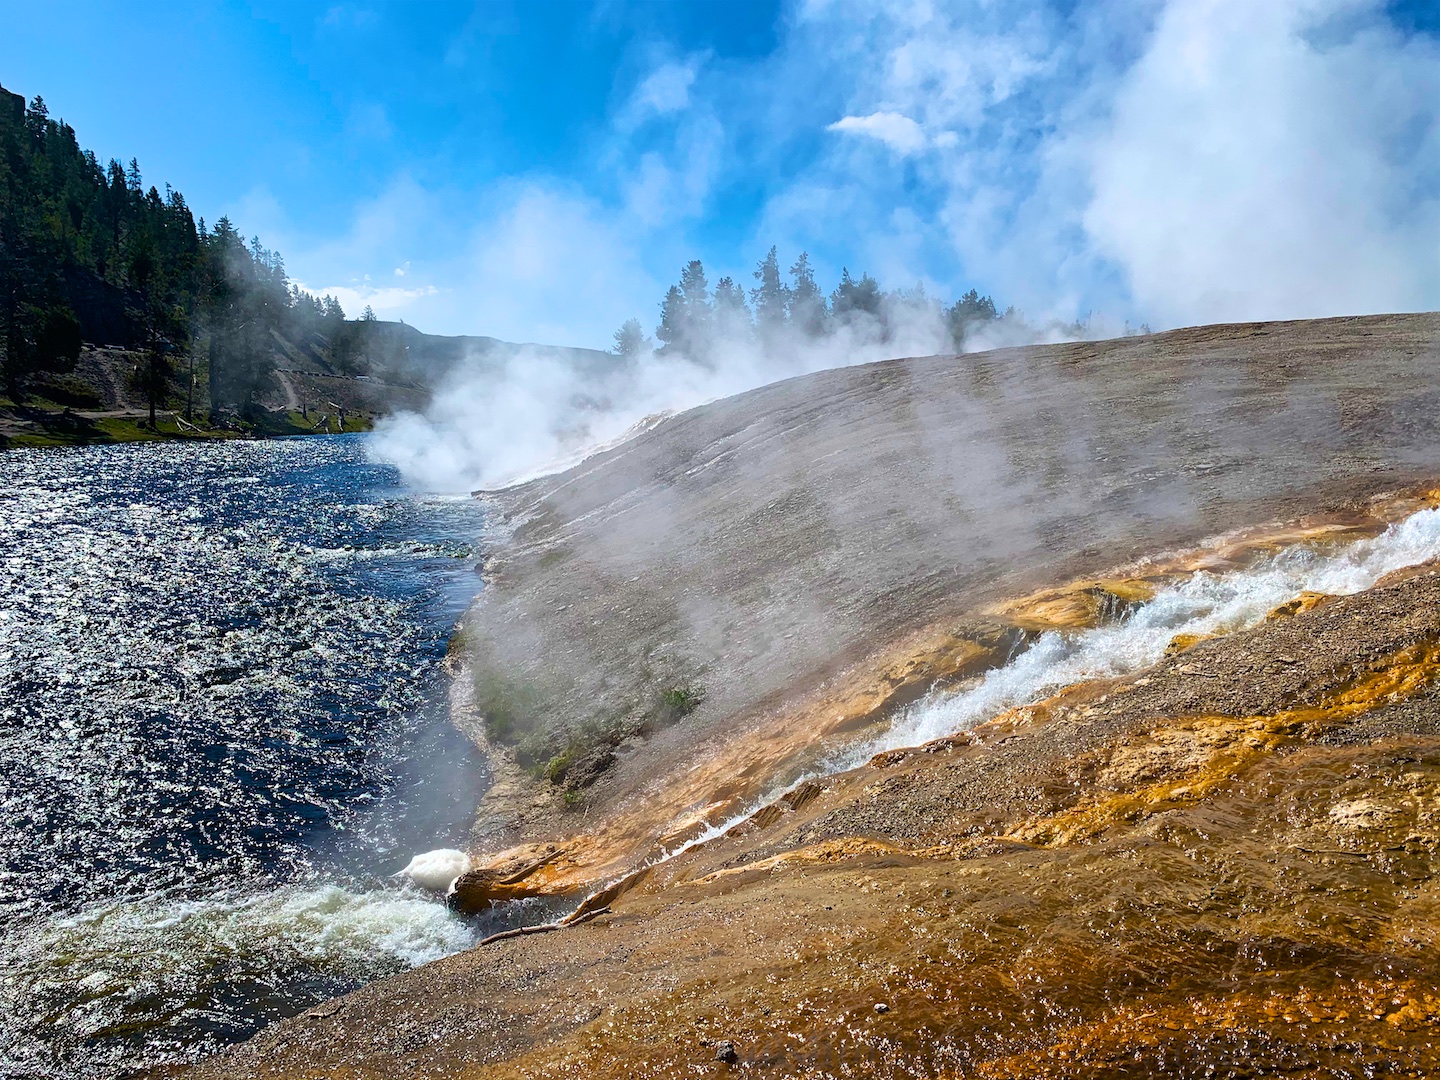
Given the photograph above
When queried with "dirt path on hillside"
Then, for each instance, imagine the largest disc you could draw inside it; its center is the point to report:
(292, 399)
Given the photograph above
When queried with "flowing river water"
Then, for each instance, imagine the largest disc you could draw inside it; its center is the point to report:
(222, 729)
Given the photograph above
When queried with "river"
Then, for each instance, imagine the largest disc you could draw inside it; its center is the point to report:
(222, 729)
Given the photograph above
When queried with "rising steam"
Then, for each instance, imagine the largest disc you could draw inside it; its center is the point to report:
(494, 423)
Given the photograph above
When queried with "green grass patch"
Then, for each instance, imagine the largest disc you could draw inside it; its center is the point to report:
(67, 390)
(679, 702)
(459, 642)
(559, 765)
(54, 427)
(280, 423)
(506, 706)
(552, 558)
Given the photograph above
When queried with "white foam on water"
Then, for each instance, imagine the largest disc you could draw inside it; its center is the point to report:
(137, 947)
(436, 870)
(1205, 603)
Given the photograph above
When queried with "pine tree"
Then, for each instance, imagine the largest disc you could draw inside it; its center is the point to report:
(137, 270)
(770, 297)
(38, 328)
(732, 314)
(699, 317)
(970, 311)
(852, 297)
(630, 340)
(806, 303)
(686, 317)
(671, 330)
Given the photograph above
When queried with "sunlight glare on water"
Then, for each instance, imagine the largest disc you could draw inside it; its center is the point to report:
(221, 730)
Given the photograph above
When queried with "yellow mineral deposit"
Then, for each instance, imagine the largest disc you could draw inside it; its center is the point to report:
(726, 777)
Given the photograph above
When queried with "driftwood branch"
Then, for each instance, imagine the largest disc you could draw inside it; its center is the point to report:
(543, 928)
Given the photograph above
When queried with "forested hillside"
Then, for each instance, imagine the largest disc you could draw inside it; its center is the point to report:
(116, 299)
(118, 304)
(88, 253)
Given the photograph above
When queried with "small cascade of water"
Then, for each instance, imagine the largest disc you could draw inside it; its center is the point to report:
(1204, 604)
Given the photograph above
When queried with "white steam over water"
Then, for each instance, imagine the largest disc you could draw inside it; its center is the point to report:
(1206, 603)
(491, 424)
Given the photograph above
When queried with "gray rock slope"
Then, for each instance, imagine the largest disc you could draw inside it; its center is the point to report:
(744, 549)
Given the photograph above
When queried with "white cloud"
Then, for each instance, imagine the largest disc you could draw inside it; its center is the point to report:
(895, 130)
(1175, 161)
(672, 182)
(1162, 160)
(557, 267)
(383, 301)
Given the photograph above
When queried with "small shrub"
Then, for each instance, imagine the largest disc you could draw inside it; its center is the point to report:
(553, 557)
(70, 390)
(504, 705)
(459, 641)
(534, 752)
(679, 702)
(559, 765)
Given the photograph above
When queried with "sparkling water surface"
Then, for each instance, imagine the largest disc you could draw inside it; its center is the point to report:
(221, 730)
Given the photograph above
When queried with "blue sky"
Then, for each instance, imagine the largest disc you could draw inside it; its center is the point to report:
(540, 171)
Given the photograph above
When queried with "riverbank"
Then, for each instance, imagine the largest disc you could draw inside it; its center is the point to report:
(704, 662)
(47, 424)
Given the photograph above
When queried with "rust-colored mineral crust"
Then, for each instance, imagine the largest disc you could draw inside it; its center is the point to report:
(1217, 869)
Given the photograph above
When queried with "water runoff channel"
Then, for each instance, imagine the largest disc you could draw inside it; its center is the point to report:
(1201, 604)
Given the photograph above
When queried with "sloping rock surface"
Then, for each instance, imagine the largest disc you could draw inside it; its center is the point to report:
(744, 551)
(1223, 866)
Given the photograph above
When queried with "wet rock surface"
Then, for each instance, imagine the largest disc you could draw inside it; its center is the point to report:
(1225, 865)
(477, 891)
(753, 549)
